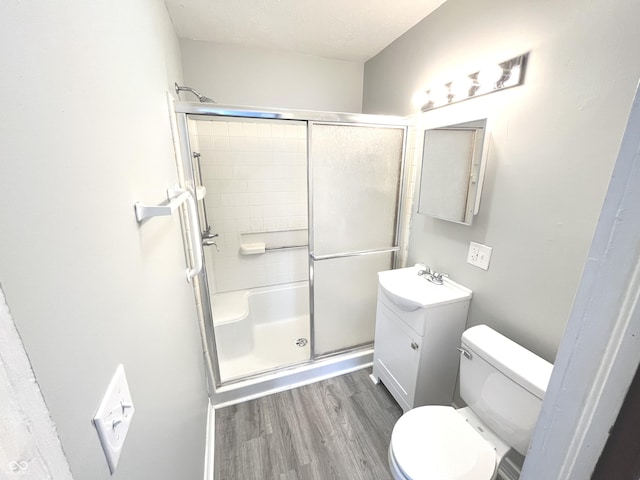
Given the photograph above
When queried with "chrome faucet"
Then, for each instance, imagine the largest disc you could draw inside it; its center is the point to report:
(431, 275)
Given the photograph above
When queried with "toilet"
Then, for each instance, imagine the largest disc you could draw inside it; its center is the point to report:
(503, 385)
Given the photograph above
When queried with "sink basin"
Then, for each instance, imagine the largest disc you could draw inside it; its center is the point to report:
(410, 291)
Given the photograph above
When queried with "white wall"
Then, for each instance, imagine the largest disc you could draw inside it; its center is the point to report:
(85, 133)
(554, 142)
(235, 75)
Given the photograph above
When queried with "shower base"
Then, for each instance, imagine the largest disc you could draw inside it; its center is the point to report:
(274, 345)
(260, 329)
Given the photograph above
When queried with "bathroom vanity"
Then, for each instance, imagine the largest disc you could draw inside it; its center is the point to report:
(418, 329)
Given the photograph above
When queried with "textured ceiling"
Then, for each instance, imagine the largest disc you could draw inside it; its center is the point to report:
(353, 30)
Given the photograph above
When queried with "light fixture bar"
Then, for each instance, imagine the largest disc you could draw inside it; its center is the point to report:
(487, 80)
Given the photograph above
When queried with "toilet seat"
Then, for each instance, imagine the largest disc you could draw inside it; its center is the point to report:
(436, 443)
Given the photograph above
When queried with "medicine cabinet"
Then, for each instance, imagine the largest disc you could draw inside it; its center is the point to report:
(453, 163)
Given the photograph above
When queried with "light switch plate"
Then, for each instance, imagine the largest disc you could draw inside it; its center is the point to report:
(113, 417)
(479, 255)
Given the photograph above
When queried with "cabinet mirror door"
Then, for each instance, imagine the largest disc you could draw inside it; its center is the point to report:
(452, 171)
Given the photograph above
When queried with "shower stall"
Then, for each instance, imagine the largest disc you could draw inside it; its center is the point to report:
(298, 213)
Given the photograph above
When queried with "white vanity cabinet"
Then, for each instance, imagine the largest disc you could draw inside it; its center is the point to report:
(418, 331)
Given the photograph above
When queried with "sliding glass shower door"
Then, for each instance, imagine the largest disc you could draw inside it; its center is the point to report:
(355, 174)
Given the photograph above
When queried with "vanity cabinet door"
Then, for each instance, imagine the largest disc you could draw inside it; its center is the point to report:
(396, 356)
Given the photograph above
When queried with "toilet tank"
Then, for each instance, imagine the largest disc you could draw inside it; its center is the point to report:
(503, 383)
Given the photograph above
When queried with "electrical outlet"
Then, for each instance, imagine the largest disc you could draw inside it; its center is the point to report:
(479, 255)
(113, 417)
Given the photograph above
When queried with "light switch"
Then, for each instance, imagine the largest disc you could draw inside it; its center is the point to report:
(113, 417)
(479, 255)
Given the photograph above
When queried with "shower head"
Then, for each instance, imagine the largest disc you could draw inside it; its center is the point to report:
(201, 98)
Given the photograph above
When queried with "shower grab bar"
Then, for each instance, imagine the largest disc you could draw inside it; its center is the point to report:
(177, 197)
(206, 232)
(286, 247)
(353, 254)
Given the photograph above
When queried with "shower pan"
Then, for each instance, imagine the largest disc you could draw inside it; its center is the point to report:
(298, 211)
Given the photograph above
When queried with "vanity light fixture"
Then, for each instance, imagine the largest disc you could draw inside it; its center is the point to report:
(487, 80)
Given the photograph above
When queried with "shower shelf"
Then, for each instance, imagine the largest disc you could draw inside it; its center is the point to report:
(177, 197)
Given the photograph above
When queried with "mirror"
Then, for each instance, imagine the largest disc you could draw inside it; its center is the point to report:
(452, 171)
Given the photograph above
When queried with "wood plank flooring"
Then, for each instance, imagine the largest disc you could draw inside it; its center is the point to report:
(334, 429)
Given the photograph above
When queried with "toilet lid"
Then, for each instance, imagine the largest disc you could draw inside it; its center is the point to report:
(435, 442)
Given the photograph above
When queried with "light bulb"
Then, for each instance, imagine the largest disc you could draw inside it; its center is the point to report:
(514, 76)
(420, 99)
(460, 87)
(439, 95)
(489, 76)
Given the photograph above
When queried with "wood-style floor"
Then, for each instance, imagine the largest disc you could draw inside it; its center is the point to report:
(334, 429)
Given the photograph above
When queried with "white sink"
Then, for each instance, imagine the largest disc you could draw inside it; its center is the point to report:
(410, 291)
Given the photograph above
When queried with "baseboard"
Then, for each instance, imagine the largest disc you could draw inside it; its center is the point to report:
(210, 443)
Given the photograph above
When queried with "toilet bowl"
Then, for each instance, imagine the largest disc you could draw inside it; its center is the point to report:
(436, 442)
(503, 385)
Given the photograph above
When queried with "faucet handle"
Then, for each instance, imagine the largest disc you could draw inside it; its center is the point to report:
(427, 270)
(437, 278)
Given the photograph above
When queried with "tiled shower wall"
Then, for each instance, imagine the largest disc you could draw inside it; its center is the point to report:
(255, 173)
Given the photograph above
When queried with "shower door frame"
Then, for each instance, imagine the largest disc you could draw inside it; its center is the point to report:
(184, 109)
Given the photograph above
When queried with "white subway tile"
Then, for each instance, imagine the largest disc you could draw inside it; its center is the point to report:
(291, 131)
(270, 224)
(242, 199)
(278, 144)
(264, 144)
(269, 185)
(224, 172)
(236, 144)
(227, 226)
(212, 200)
(226, 186)
(209, 173)
(264, 129)
(256, 211)
(254, 186)
(257, 224)
(241, 172)
(277, 130)
(242, 212)
(204, 127)
(240, 186)
(207, 157)
(255, 198)
(220, 128)
(237, 158)
(213, 187)
(244, 225)
(251, 144)
(235, 129)
(282, 223)
(227, 200)
(290, 145)
(206, 142)
(221, 143)
(249, 129)
(228, 213)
